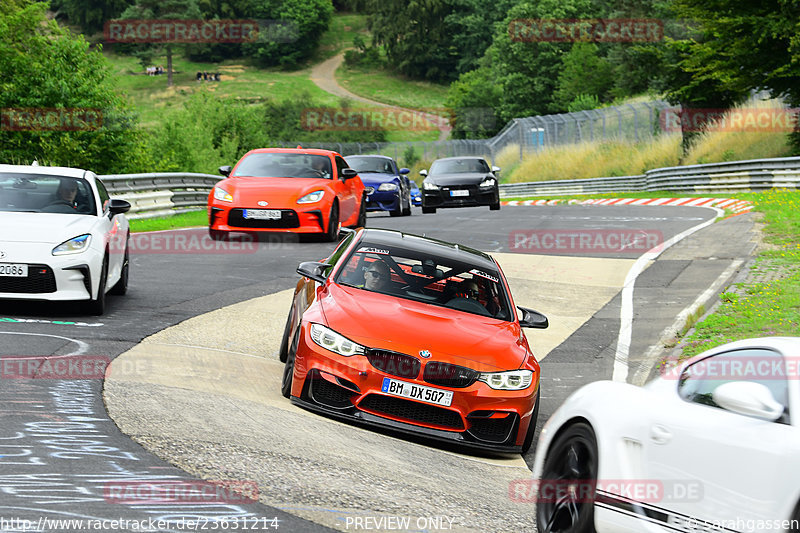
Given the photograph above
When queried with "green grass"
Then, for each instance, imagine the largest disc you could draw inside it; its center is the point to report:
(151, 97)
(184, 220)
(764, 308)
(383, 86)
(344, 27)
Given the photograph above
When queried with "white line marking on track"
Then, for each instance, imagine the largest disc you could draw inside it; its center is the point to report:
(82, 346)
(621, 368)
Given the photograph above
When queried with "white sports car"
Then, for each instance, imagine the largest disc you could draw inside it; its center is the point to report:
(713, 445)
(61, 236)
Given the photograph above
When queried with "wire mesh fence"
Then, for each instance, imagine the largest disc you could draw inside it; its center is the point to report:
(632, 122)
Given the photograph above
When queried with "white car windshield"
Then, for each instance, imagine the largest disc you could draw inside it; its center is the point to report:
(46, 194)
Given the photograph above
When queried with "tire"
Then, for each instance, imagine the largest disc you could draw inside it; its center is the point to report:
(283, 351)
(217, 235)
(572, 456)
(407, 208)
(97, 306)
(526, 445)
(333, 225)
(121, 286)
(428, 210)
(362, 215)
(399, 211)
(288, 369)
(496, 206)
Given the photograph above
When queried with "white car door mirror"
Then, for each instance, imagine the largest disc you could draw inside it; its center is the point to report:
(748, 398)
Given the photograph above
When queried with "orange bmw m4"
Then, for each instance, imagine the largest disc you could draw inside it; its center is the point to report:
(417, 335)
(292, 190)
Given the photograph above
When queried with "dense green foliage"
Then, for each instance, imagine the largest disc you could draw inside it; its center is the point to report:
(302, 23)
(48, 72)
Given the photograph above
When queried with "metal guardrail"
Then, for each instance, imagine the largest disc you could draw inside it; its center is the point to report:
(162, 193)
(729, 177)
(159, 194)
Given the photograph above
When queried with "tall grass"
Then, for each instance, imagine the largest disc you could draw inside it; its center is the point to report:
(732, 145)
(593, 159)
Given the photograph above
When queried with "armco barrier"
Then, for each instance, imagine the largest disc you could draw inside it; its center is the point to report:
(158, 194)
(731, 177)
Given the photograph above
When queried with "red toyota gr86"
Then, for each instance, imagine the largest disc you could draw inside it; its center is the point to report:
(414, 334)
(287, 190)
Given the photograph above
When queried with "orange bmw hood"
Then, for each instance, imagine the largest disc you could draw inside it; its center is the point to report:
(277, 192)
(406, 326)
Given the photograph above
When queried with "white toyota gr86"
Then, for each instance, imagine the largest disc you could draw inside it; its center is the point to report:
(61, 236)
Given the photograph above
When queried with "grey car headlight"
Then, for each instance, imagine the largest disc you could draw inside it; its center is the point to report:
(430, 186)
(488, 182)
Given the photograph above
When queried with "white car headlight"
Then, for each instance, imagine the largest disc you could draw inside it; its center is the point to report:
(488, 182)
(387, 187)
(330, 340)
(430, 186)
(311, 197)
(222, 195)
(511, 380)
(75, 245)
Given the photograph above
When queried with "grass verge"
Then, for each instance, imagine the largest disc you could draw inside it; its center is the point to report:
(183, 220)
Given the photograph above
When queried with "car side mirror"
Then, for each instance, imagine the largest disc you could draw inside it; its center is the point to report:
(532, 319)
(748, 398)
(349, 173)
(117, 207)
(405, 170)
(313, 270)
(225, 170)
(495, 169)
(423, 172)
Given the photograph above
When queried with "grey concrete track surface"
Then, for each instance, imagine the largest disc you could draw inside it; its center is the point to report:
(222, 419)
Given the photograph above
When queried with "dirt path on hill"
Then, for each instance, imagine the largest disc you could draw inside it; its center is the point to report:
(323, 75)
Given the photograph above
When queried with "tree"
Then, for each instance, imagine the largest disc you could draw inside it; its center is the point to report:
(50, 73)
(161, 10)
(296, 29)
(91, 15)
(435, 40)
(583, 72)
(744, 46)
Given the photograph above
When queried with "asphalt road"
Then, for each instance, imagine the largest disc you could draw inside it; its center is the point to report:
(60, 454)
